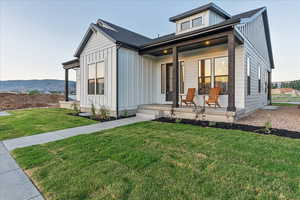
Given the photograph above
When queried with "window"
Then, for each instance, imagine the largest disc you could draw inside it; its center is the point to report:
(221, 74)
(91, 78)
(248, 76)
(204, 76)
(181, 77)
(163, 79)
(185, 25)
(259, 78)
(266, 84)
(197, 22)
(96, 78)
(100, 78)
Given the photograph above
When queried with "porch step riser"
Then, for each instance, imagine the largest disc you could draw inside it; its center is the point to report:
(217, 117)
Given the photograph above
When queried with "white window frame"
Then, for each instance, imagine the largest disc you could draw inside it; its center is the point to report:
(192, 20)
(189, 25)
(95, 76)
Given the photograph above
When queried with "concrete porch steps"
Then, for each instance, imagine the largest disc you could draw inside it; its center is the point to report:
(164, 110)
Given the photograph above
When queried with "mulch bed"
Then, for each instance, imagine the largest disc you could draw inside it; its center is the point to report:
(234, 126)
(99, 119)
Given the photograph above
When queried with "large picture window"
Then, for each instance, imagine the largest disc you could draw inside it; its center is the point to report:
(163, 79)
(248, 76)
(181, 77)
(91, 78)
(204, 76)
(259, 78)
(100, 78)
(221, 74)
(96, 78)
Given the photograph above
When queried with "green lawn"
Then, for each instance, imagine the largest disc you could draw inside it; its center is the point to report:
(284, 104)
(285, 98)
(34, 121)
(153, 160)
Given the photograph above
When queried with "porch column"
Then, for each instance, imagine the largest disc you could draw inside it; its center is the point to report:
(231, 72)
(175, 77)
(66, 85)
(270, 87)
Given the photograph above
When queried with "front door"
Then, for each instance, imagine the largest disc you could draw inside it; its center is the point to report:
(169, 82)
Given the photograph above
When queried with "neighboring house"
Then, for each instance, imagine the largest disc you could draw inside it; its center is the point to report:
(288, 91)
(122, 70)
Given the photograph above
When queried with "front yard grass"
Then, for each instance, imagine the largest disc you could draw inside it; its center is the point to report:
(284, 104)
(39, 120)
(154, 160)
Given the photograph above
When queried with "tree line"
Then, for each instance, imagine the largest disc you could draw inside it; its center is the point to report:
(291, 84)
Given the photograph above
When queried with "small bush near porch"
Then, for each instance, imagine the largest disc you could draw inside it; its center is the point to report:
(154, 160)
(38, 120)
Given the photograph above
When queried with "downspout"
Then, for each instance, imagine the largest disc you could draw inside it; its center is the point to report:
(117, 80)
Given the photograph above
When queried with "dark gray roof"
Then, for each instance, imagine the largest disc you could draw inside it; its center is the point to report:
(137, 41)
(210, 6)
(123, 35)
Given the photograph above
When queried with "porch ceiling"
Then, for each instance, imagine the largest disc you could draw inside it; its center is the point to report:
(71, 64)
(192, 43)
(196, 45)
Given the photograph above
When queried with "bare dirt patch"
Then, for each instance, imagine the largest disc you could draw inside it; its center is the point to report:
(10, 101)
(286, 117)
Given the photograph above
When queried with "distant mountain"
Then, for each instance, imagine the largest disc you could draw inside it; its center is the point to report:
(43, 86)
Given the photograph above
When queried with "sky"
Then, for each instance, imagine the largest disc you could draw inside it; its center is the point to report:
(36, 36)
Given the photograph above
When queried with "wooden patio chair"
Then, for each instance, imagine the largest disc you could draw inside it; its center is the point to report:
(213, 97)
(189, 99)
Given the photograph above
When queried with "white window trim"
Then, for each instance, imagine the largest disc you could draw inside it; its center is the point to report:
(187, 21)
(199, 24)
(95, 63)
(212, 70)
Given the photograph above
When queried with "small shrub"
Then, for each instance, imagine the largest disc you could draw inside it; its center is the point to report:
(177, 120)
(172, 113)
(199, 112)
(268, 127)
(210, 123)
(33, 92)
(104, 113)
(76, 108)
(125, 113)
(93, 110)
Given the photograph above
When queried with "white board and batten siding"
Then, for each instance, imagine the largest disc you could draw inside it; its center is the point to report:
(214, 18)
(99, 48)
(255, 47)
(136, 79)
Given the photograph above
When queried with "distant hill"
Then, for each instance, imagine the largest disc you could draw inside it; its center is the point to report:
(43, 86)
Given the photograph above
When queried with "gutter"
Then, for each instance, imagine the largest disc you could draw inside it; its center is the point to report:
(117, 80)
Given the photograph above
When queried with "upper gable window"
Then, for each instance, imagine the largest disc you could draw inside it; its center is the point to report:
(197, 22)
(185, 25)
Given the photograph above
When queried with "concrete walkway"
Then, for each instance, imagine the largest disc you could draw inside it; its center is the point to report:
(14, 184)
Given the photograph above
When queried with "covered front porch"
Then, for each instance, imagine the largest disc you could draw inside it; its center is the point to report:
(197, 63)
(68, 102)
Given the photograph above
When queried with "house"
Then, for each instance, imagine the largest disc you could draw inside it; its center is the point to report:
(124, 71)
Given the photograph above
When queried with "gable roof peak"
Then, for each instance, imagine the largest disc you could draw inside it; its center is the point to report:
(209, 6)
